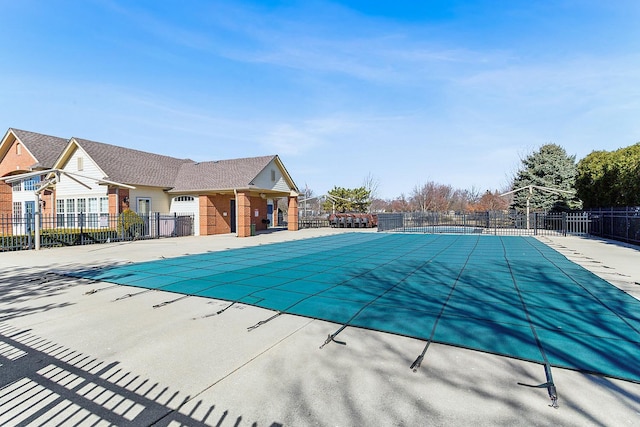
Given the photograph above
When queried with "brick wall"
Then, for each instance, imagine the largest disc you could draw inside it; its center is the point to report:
(116, 195)
(215, 214)
(214, 221)
(261, 205)
(6, 208)
(243, 206)
(292, 216)
(13, 161)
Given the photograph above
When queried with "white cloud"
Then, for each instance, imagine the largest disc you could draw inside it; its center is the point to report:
(305, 136)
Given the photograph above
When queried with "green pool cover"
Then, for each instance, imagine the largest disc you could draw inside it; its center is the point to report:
(512, 296)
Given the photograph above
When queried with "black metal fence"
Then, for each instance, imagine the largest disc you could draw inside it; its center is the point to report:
(17, 233)
(498, 223)
(313, 223)
(617, 223)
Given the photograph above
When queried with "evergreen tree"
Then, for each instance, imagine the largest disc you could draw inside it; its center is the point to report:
(595, 180)
(348, 200)
(610, 178)
(549, 167)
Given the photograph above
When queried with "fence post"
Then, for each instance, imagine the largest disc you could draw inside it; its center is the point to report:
(627, 220)
(495, 223)
(120, 222)
(611, 232)
(176, 232)
(27, 228)
(564, 224)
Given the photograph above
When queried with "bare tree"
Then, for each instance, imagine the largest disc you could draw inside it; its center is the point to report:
(460, 200)
(491, 202)
(473, 195)
(372, 185)
(432, 197)
(399, 204)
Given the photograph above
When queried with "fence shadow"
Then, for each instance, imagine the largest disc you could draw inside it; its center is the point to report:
(45, 383)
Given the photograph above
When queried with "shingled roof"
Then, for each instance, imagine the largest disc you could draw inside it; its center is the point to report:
(131, 166)
(45, 148)
(140, 168)
(222, 174)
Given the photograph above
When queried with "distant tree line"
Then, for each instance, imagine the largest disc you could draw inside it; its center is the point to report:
(548, 180)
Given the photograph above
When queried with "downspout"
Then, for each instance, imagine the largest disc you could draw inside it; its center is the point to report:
(235, 193)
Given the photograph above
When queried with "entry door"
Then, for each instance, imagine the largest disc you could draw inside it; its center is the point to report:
(144, 206)
(270, 214)
(29, 217)
(144, 209)
(232, 212)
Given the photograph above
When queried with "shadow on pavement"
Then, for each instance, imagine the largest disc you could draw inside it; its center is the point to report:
(42, 383)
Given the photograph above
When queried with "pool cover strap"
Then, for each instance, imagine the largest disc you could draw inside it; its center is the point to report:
(262, 322)
(162, 304)
(331, 337)
(551, 388)
(416, 363)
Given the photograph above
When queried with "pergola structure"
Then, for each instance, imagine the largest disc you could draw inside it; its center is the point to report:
(52, 178)
(531, 188)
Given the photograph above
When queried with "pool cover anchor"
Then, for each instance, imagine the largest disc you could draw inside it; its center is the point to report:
(416, 363)
(262, 322)
(125, 296)
(96, 290)
(162, 304)
(549, 385)
(206, 316)
(331, 337)
(224, 309)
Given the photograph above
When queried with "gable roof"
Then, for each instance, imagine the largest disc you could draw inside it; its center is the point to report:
(139, 168)
(45, 148)
(131, 166)
(221, 174)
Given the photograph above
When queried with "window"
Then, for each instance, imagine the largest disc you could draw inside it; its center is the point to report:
(104, 205)
(17, 210)
(16, 186)
(59, 213)
(92, 209)
(273, 175)
(183, 199)
(18, 149)
(81, 205)
(80, 164)
(31, 184)
(71, 208)
(93, 205)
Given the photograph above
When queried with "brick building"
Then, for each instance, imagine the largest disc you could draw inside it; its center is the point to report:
(224, 196)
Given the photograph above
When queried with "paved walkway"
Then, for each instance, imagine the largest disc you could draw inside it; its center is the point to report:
(75, 352)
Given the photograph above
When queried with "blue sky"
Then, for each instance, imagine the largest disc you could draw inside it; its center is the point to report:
(455, 92)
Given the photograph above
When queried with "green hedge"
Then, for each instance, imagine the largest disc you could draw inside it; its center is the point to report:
(58, 237)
